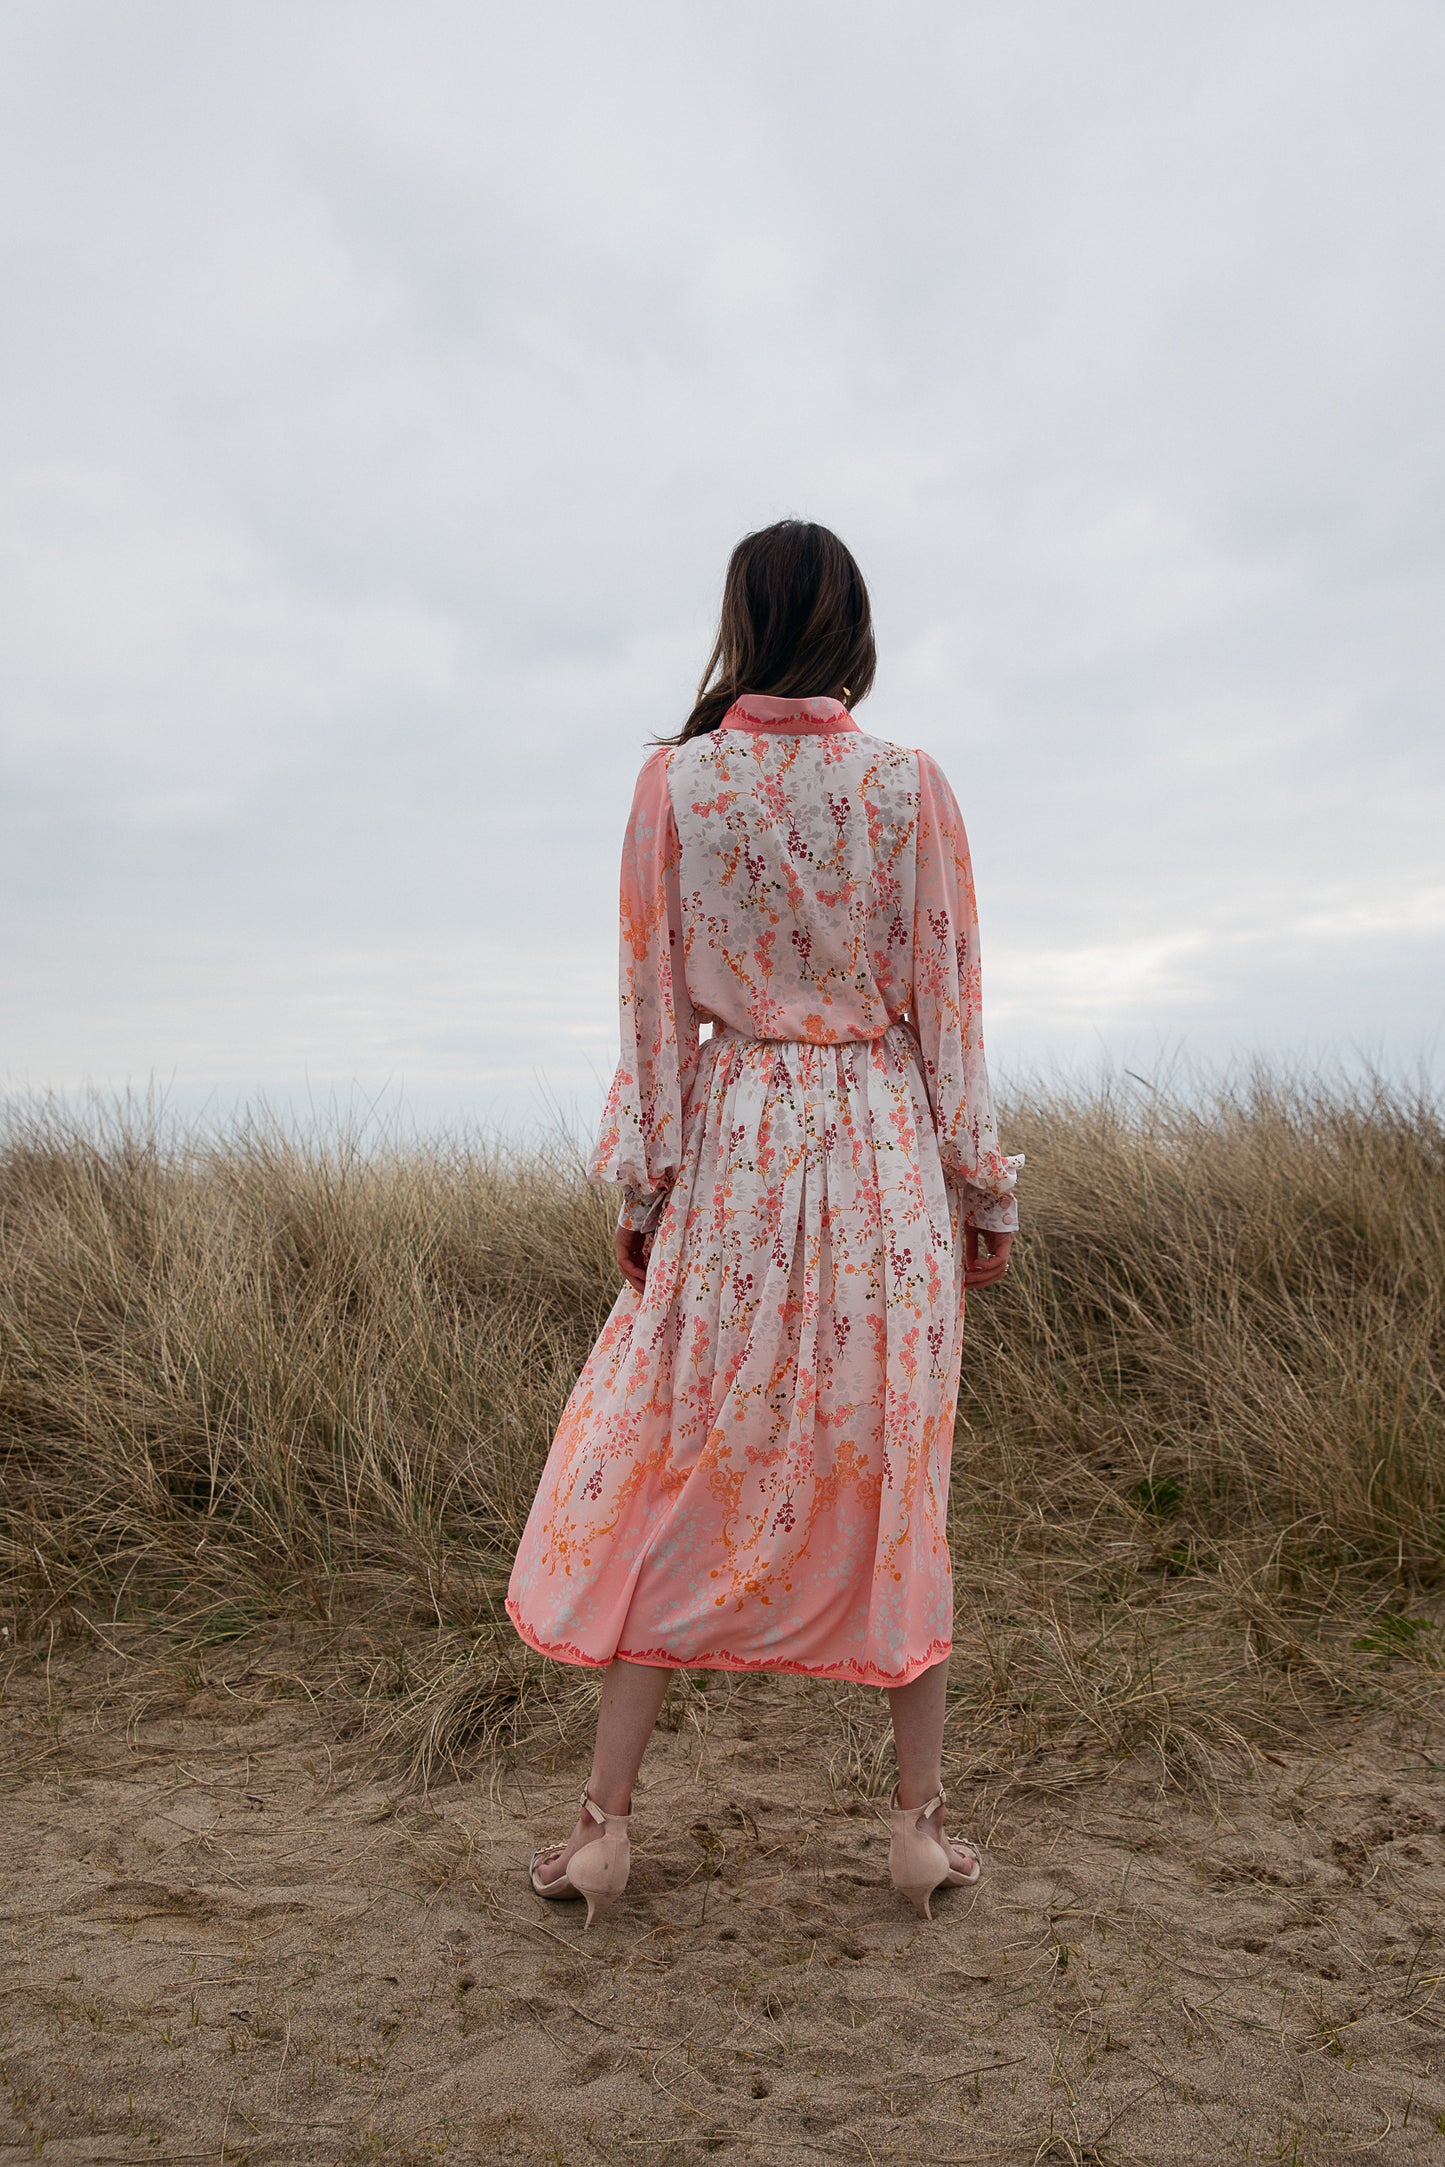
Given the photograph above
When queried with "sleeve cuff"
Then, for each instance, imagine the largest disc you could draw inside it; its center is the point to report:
(988, 1214)
(642, 1209)
(986, 1209)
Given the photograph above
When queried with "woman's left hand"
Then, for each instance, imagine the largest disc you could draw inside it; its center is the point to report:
(984, 1269)
(633, 1250)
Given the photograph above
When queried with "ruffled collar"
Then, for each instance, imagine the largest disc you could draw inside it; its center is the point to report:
(791, 718)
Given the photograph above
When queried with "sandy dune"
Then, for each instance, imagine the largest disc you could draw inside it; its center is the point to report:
(224, 1940)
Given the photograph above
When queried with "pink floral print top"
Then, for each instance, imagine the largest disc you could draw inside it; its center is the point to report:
(791, 877)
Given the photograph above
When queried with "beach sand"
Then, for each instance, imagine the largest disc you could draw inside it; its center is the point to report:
(224, 1939)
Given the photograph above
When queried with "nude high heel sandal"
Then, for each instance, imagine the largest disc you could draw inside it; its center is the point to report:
(917, 1861)
(598, 1871)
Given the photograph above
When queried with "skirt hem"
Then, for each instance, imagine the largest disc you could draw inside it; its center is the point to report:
(659, 1659)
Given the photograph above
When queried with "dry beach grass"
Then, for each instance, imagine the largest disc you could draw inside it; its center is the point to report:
(271, 1412)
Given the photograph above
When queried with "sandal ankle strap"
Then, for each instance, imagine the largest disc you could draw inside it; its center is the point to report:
(940, 1798)
(590, 1805)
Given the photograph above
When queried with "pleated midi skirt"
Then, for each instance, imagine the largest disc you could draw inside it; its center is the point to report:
(751, 1472)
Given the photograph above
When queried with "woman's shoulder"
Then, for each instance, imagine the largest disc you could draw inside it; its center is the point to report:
(909, 761)
(650, 791)
(930, 789)
(887, 748)
(932, 781)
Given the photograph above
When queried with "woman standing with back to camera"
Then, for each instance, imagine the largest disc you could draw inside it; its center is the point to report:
(752, 1470)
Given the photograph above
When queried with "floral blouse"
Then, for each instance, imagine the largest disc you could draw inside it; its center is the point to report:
(789, 876)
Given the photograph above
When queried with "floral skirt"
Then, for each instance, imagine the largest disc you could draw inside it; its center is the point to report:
(752, 1470)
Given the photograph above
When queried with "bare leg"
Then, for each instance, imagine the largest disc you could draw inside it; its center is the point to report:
(632, 1698)
(917, 1710)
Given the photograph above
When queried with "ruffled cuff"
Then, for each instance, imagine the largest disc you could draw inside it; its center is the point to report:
(988, 1214)
(986, 1209)
(641, 1208)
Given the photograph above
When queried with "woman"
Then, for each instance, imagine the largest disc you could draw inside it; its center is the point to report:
(752, 1471)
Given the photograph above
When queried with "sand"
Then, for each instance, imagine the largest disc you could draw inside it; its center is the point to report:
(222, 1938)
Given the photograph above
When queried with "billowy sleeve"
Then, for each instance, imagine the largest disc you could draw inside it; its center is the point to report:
(946, 1007)
(639, 1145)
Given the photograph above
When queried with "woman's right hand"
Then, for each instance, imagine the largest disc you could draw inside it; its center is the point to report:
(984, 1270)
(633, 1249)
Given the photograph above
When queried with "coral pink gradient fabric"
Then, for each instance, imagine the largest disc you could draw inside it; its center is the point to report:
(752, 1470)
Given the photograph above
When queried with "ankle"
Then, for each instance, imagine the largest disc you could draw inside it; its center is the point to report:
(607, 1801)
(912, 1797)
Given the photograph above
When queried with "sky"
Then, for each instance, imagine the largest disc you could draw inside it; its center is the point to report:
(383, 387)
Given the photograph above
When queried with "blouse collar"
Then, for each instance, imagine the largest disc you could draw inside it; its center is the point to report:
(791, 718)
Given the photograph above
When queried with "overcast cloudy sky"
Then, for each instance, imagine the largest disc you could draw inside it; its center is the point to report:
(384, 386)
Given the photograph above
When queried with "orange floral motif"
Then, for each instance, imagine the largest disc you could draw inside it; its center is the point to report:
(752, 1470)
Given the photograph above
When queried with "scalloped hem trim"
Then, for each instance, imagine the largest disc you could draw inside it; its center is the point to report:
(659, 1659)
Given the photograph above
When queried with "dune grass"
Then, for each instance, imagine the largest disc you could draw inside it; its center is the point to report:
(1200, 1469)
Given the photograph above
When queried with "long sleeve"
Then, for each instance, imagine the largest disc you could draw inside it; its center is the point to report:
(947, 1011)
(639, 1145)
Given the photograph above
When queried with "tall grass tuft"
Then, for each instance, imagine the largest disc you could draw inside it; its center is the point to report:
(1233, 1315)
(285, 1374)
(281, 1371)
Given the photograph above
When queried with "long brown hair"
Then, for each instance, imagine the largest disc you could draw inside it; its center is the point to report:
(795, 622)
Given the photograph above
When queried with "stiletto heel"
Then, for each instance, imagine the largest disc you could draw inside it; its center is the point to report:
(598, 1871)
(917, 1861)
